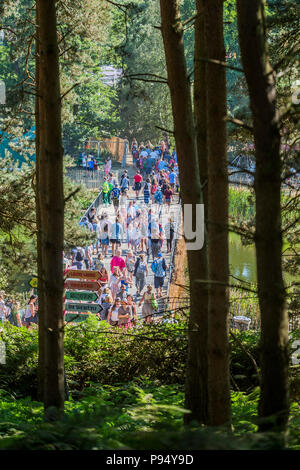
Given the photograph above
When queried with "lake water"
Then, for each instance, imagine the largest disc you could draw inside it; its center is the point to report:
(242, 260)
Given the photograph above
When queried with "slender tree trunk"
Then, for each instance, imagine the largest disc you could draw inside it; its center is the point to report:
(197, 376)
(218, 344)
(51, 210)
(40, 391)
(185, 138)
(274, 399)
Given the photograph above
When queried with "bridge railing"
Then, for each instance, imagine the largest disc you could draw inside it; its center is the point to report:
(170, 305)
(96, 203)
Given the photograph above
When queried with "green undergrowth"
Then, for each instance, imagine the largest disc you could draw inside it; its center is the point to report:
(127, 392)
(138, 415)
(95, 352)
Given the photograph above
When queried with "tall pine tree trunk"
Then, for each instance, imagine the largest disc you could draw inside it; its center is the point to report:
(274, 400)
(218, 344)
(197, 377)
(184, 131)
(38, 186)
(51, 209)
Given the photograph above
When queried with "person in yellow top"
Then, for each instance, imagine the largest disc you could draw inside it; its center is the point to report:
(105, 191)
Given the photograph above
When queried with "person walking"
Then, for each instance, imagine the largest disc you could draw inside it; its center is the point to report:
(124, 320)
(118, 261)
(168, 193)
(78, 257)
(3, 309)
(133, 312)
(140, 274)
(137, 183)
(169, 231)
(113, 314)
(126, 145)
(116, 235)
(130, 261)
(149, 304)
(159, 268)
(103, 238)
(107, 166)
(105, 192)
(116, 197)
(30, 311)
(147, 188)
(115, 282)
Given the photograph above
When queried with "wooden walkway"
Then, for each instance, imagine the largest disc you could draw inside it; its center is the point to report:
(174, 212)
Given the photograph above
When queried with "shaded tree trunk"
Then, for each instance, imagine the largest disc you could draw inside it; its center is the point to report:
(51, 210)
(274, 399)
(197, 376)
(38, 186)
(218, 343)
(185, 138)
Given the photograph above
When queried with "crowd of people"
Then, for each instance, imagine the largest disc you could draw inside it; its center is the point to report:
(13, 312)
(140, 230)
(135, 223)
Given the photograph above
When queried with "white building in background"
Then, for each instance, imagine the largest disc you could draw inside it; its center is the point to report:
(2, 36)
(110, 75)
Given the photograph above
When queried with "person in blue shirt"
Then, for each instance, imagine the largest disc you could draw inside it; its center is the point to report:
(150, 162)
(161, 165)
(116, 234)
(172, 179)
(158, 196)
(91, 165)
(124, 183)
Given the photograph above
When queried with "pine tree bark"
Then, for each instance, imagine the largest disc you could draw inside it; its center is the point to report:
(274, 398)
(51, 210)
(184, 132)
(197, 376)
(218, 343)
(38, 185)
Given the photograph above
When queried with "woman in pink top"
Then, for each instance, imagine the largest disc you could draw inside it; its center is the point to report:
(117, 261)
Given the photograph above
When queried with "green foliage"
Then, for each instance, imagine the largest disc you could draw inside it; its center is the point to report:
(137, 415)
(241, 205)
(18, 224)
(99, 354)
(18, 376)
(127, 392)
(95, 352)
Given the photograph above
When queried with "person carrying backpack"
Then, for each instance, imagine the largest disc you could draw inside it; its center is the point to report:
(116, 197)
(140, 274)
(78, 257)
(159, 268)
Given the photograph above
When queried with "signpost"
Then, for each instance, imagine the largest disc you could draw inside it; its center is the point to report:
(83, 296)
(83, 274)
(82, 285)
(33, 282)
(76, 317)
(77, 307)
(81, 290)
